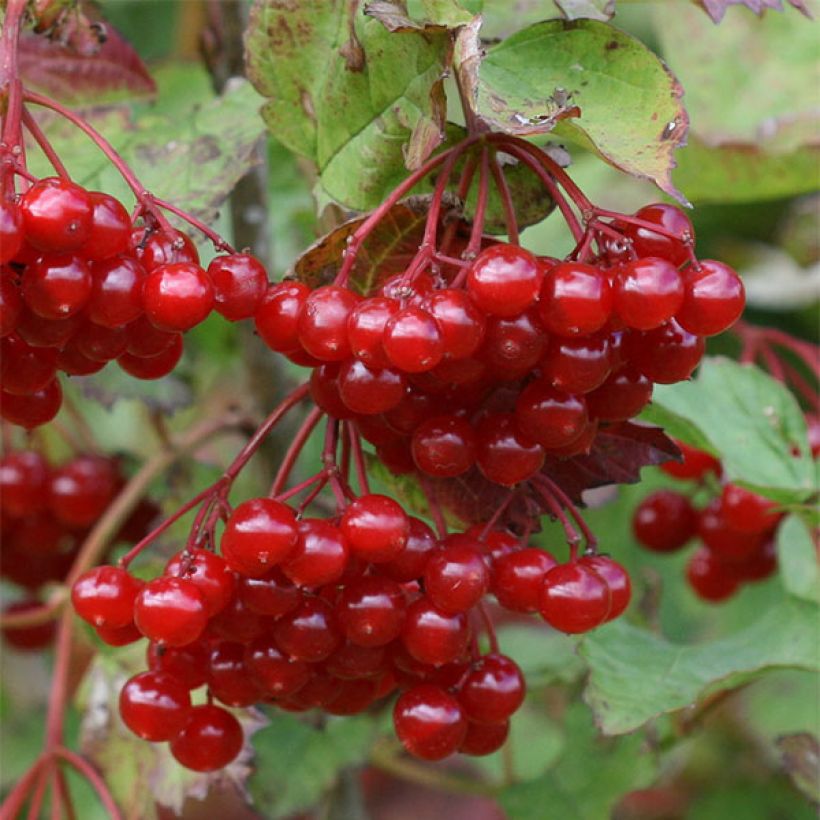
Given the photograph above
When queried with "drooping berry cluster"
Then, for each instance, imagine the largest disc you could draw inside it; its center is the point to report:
(512, 358)
(735, 530)
(337, 614)
(82, 285)
(45, 512)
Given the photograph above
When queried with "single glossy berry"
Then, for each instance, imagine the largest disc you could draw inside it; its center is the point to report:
(210, 739)
(105, 596)
(746, 511)
(11, 303)
(710, 579)
(188, 664)
(72, 362)
(23, 480)
(695, 466)
(513, 345)
(371, 611)
(155, 705)
(34, 409)
(574, 598)
(415, 407)
(434, 637)
(369, 391)
(714, 298)
(163, 247)
(273, 671)
(324, 390)
(518, 577)
(229, 677)
(576, 299)
(548, 416)
(277, 317)
(40, 332)
(28, 638)
(504, 455)
(456, 577)
(119, 635)
(320, 555)
(504, 280)
(210, 572)
(484, 738)
(259, 534)
(99, 343)
(665, 355)
(648, 292)
(664, 521)
(25, 369)
(171, 611)
(56, 287)
(239, 281)
(759, 565)
(375, 527)
(153, 367)
(310, 632)
(413, 341)
(461, 322)
(493, 690)
(80, 490)
(177, 296)
(409, 564)
(145, 340)
(116, 291)
(110, 232)
(365, 329)
(646, 242)
(623, 395)
(577, 366)
(429, 722)
(727, 543)
(11, 230)
(444, 446)
(323, 322)
(272, 594)
(238, 622)
(57, 215)
(616, 578)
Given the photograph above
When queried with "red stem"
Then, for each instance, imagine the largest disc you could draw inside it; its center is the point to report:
(589, 536)
(58, 692)
(93, 777)
(570, 533)
(479, 217)
(506, 199)
(16, 798)
(219, 243)
(45, 146)
(329, 460)
(39, 793)
(61, 787)
(358, 457)
(321, 476)
(489, 628)
(295, 450)
(464, 182)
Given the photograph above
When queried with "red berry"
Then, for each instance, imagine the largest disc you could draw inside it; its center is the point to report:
(512, 346)
(710, 579)
(746, 511)
(375, 527)
(456, 577)
(98, 343)
(323, 322)
(24, 369)
(504, 280)
(153, 367)
(648, 292)
(365, 329)
(493, 690)
(80, 491)
(432, 636)
(696, 464)
(713, 299)
(461, 323)
(646, 242)
(429, 722)
(484, 738)
(277, 674)
(665, 355)
(259, 534)
(110, 232)
(105, 596)
(210, 739)
(39, 332)
(623, 395)
(32, 410)
(368, 391)
(177, 297)
(518, 577)
(577, 366)
(171, 610)
(548, 416)
(238, 622)
(352, 661)
(72, 362)
(503, 455)
(23, 477)
(116, 291)
(164, 247)
(146, 341)
(239, 282)
(576, 299)
(320, 555)
(616, 578)
(371, 611)
(409, 564)
(11, 230)
(277, 317)
(444, 446)
(119, 635)
(574, 598)
(310, 632)
(209, 572)
(413, 341)
(188, 664)
(56, 287)
(57, 215)
(272, 594)
(155, 705)
(229, 677)
(728, 544)
(27, 638)
(664, 521)
(11, 304)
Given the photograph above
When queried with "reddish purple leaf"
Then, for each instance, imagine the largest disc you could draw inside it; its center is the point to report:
(114, 69)
(717, 8)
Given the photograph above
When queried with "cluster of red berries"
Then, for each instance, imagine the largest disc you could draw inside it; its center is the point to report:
(513, 359)
(82, 285)
(736, 529)
(45, 513)
(337, 614)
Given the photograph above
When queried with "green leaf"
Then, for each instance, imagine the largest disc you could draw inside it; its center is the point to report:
(747, 418)
(362, 103)
(751, 800)
(750, 92)
(636, 676)
(297, 763)
(797, 559)
(544, 655)
(590, 778)
(629, 107)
